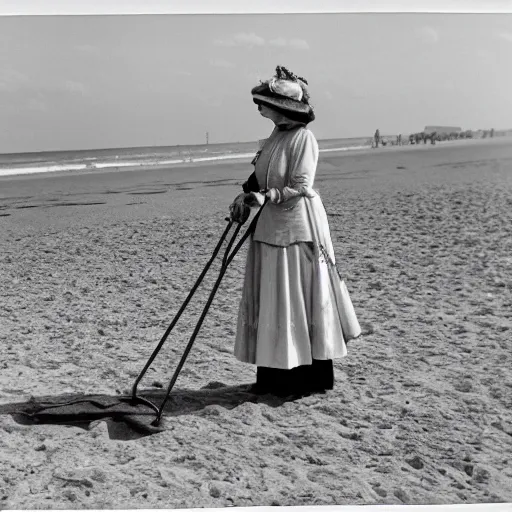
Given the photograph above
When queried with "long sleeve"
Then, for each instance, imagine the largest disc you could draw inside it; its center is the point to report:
(303, 160)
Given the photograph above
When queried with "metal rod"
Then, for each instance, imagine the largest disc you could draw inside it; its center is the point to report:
(226, 262)
(230, 244)
(179, 313)
(190, 343)
(145, 401)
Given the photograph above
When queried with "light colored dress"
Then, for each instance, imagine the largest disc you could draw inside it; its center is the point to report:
(287, 315)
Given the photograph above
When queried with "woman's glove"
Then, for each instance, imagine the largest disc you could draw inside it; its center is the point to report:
(239, 210)
(274, 195)
(254, 199)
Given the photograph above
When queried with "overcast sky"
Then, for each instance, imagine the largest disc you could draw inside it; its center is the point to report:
(77, 82)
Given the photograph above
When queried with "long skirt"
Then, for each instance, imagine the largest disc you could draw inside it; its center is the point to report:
(286, 321)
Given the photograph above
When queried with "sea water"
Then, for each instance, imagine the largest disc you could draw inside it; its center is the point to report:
(122, 158)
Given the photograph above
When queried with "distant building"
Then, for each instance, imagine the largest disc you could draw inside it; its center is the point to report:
(442, 129)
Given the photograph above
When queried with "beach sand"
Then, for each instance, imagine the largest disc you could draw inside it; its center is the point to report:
(94, 266)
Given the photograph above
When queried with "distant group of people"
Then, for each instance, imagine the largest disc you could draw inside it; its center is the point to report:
(433, 137)
(413, 139)
(377, 139)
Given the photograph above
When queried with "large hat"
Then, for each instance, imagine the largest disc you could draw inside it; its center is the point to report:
(286, 93)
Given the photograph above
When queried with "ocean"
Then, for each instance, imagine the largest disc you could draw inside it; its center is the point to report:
(121, 158)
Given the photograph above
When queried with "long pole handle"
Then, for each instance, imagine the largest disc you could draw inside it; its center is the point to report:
(189, 345)
(226, 262)
(180, 312)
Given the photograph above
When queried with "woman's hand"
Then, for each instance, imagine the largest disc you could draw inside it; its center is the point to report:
(274, 195)
(239, 210)
(254, 199)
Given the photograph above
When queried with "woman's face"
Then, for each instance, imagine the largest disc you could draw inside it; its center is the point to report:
(276, 117)
(266, 111)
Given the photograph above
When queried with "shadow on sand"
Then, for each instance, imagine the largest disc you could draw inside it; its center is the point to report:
(125, 420)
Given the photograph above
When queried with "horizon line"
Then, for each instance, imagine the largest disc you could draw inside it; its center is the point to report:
(215, 143)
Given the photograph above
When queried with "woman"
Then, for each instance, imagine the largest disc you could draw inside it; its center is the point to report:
(288, 321)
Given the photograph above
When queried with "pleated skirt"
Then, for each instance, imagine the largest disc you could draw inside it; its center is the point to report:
(287, 316)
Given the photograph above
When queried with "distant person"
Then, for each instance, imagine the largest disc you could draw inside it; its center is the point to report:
(376, 138)
(492, 132)
(399, 139)
(289, 322)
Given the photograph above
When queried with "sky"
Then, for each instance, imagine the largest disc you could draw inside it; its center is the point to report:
(82, 82)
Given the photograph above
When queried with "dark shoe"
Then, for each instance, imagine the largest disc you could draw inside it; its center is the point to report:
(322, 375)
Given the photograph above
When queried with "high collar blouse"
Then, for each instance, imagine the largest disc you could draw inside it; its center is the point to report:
(286, 167)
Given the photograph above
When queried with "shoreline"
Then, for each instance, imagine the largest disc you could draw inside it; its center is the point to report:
(83, 169)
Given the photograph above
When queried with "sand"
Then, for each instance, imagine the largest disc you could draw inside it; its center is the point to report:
(94, 266)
